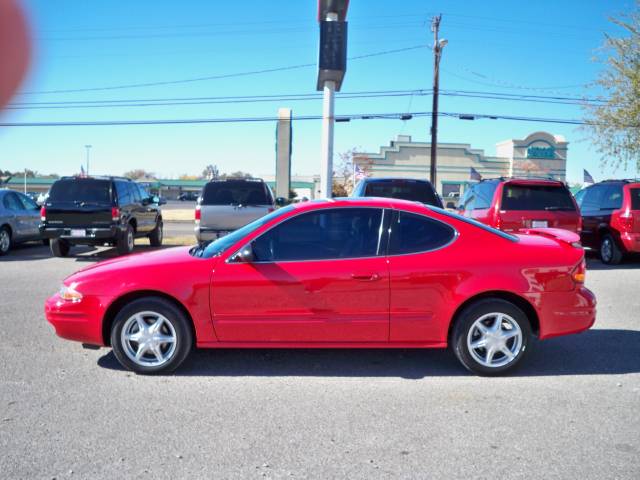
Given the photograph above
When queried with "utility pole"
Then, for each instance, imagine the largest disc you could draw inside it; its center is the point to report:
(438, 45)
(88, 147)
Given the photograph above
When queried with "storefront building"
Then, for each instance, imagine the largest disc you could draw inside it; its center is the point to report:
(540, 154)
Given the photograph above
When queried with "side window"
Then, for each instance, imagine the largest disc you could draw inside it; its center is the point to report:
(135, 193)
(579, 196)
(412, 233)
(11, 202)
(593, 197)
(322, 235)
(469, 199)
(484, 195)
(124, 196)
(612, 197)
(27, 203)
(142, 192)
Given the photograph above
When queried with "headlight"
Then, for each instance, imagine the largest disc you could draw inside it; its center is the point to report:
(69, 293)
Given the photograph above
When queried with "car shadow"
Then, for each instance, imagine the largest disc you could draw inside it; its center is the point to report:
(594, 352)
(630, 262)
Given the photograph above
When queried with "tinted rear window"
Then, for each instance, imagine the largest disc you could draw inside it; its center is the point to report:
(405, 190)
(235, 193)
(81, 190)
(635, 198)
(536, 197)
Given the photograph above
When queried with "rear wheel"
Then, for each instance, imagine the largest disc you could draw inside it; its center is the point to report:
(491, 336)
(59, 247)
(125, 241)
(5, 240)
(610, 252)
(151, 335)
(155, 239)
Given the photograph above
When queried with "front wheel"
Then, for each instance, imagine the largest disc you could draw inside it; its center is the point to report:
(610, 252)
(155, 238)
(491, 337)
(151, 335)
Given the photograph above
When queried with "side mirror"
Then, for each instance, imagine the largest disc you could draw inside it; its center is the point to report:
(244, 255)
(281, 201)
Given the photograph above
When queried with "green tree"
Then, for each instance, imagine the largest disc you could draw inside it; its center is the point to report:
(138, 173)
(615, 124)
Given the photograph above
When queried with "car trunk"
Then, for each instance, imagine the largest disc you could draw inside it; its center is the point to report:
(70, 214)
(229, 217)
(537, 206)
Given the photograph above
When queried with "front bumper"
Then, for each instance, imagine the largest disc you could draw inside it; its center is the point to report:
(89, 235)
(564, 313)
(81, 321)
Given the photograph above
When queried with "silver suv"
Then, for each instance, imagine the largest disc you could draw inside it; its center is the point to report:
(226, 205)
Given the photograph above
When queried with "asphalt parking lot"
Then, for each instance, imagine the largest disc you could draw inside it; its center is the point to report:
(572, 411)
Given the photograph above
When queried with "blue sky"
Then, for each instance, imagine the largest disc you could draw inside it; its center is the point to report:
(544, 48)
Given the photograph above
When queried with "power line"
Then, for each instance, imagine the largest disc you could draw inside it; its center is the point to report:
(340, 118)
(216, 77)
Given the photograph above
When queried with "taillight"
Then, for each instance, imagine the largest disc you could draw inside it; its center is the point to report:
(625, 222)
(43, 214)
(198, 214)
(580, 272)
(579, 225)
(115, 214)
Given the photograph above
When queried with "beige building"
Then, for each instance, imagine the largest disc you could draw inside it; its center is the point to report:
(539, 154)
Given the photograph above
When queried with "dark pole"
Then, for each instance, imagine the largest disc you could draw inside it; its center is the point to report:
(435, 26)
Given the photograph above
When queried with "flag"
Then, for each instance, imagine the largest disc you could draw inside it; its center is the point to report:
(587, 177)
(82, 174)
(475, 175)
(359, 172)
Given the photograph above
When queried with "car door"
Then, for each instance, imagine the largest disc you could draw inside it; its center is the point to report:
(320, 276)
(30, 217)
(422, 259)
(17, 218)
(148, 210)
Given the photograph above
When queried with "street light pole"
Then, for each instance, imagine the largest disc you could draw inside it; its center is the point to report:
(88, 147)
(438, 45)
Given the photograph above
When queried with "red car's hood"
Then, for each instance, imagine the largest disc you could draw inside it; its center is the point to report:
(157, 258)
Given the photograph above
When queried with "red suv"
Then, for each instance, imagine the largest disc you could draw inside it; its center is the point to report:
(514, 204)
(611, 218)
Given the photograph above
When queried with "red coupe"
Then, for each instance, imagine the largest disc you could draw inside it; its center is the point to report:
(344, 273)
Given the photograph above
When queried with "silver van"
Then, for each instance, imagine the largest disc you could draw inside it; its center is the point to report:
(226, 205)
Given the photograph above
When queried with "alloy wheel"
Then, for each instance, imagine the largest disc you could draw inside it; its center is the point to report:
(148, 339)
(606, 250)
(494, 340)
(5, 240)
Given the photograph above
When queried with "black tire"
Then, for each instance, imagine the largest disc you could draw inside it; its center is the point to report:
(5, 240)
(610, 251)
(59, 247)
(126, 242)
(155, 238)
(147, 308)
(465, 329)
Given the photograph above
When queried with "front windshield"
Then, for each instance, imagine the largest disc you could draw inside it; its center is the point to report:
(223, 243)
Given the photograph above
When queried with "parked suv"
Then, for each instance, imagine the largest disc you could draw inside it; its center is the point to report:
(226, 205)
(98, 211)
(402, 188)
(611, 218)
(514, 204)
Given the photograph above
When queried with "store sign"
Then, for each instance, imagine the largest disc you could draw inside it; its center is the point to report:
(541, 152)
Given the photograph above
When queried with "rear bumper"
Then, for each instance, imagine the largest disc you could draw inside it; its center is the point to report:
(81, 322)
(631, 242)
(91, 234)
(204, 234)
(564, 313)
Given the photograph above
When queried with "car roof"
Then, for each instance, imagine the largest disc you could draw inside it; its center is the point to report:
(380, 202)
(522, 181)
(395, 179)
(95, 177)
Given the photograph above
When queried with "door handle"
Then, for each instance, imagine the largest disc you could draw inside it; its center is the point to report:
(365, 277)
